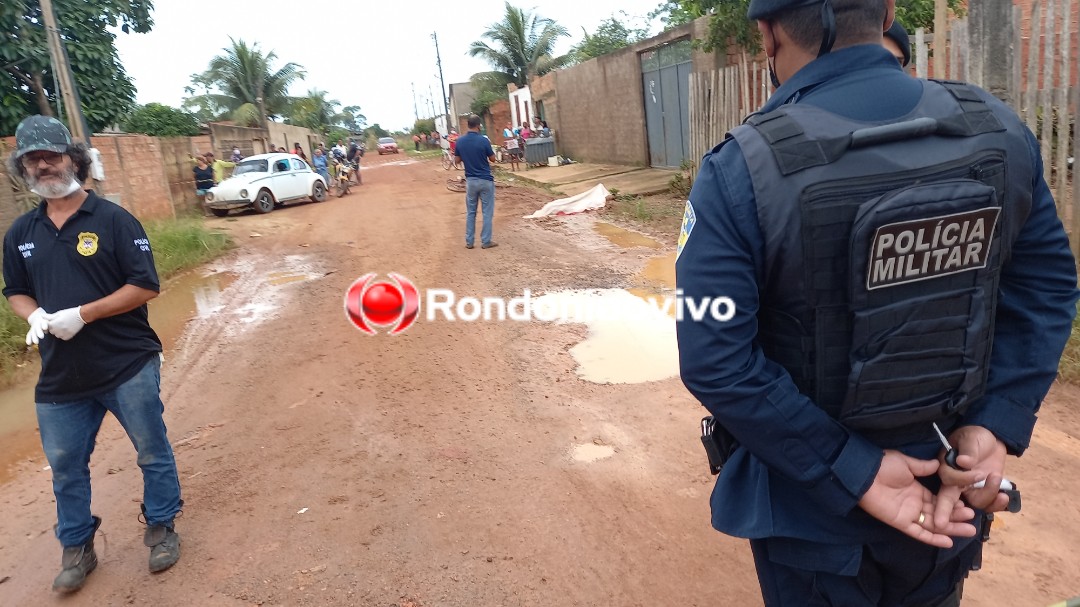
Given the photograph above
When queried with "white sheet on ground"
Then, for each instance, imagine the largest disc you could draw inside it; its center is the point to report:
(595, 198)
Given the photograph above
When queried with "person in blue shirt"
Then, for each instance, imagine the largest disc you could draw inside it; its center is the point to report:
(476, 154)
(839, 508)
(80, 270)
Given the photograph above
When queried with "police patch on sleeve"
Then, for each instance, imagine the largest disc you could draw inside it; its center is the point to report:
(909, 251)
(688, 221)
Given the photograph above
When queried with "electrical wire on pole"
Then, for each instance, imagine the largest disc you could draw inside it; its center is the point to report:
(442, 81)
(416, 112)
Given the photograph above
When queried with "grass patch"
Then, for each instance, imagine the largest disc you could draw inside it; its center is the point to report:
(178, 245)
(1069, 367)
(659, 211)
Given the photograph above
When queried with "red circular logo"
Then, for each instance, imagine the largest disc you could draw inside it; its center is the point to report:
(382, 303)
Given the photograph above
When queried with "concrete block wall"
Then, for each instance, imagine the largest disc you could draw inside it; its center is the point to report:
(150, 177)
(601, 113)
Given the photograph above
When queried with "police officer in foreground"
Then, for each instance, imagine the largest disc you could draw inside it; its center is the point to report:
(79, 269)
(896, 262)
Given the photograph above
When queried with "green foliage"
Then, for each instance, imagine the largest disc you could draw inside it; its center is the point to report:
(26, 75)
(1069, 366)
(488, 88)
(610, 36)
(377, 131)
(424, 125)
(728, 22)
(920, 13)
(522, 45)
(243, 75)
(161, 121)
(177, 244)
(182, 244)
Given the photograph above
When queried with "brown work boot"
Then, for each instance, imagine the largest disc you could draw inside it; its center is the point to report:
(77, 563)
(164, 544)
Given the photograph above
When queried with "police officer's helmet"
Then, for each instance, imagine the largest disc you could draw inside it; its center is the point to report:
(41, 133)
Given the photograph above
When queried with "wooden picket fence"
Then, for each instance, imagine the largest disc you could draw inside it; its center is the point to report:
(1041, 90)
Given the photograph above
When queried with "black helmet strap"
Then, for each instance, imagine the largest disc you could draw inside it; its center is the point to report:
(828, 24)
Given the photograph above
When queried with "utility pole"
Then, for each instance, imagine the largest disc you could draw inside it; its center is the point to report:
(442, 81)
(431, 100)
(416, 112)
(62, 71)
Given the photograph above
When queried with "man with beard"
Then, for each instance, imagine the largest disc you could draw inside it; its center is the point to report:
(79, 269)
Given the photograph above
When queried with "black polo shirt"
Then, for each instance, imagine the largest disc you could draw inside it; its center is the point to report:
(99, 249)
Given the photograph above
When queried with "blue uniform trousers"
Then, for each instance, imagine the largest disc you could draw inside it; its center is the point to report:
(892, 573)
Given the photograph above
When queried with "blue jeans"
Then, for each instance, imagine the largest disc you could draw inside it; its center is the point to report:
(68, 433)
(484, 190)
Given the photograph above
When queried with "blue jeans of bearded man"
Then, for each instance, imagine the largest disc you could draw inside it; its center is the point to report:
(68, 433)
(484, 190)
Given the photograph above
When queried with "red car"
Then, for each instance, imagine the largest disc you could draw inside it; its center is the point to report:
(387, 145)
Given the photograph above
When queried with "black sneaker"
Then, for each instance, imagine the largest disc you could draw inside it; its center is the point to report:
(164, 544)
(488, 245)
(468, 246)
(77, 563)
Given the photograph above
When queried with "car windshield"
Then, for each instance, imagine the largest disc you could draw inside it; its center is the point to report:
(250, 166)
(387, 140)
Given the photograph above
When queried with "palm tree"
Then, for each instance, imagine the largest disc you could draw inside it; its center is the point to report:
(313, 110)
(523, 45)
(243, 74)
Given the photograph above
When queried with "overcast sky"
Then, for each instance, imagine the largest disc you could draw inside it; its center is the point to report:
(362, 52)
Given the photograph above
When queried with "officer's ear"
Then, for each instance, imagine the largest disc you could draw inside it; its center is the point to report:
(768, 39)
(890, 14)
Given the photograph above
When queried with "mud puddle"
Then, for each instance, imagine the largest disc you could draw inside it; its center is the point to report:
(630, 339)
(189, 296)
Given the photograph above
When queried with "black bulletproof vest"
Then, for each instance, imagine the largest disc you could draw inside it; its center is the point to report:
(883, 248)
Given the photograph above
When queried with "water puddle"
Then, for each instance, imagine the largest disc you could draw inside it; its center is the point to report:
(630, 339)
(191, 295)
(590, 452)
(623, 237)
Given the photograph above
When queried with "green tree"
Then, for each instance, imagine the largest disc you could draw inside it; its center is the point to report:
(488, 88)
(243, 75)
(521, 45)
(26, 83)
(161, 121)
(313, 111)
(610, 36)
(376, 130)
(728, 22)
(351, 118)
(424, 125)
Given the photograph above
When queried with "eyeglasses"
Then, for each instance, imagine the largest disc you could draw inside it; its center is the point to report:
(33, 159)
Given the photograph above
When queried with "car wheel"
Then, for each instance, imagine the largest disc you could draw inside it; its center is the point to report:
(318, 191)
(264, 202)
(220, 212)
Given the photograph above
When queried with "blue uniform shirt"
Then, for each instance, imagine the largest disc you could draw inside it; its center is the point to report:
(474, 150)
(99, 249)
(799, 473)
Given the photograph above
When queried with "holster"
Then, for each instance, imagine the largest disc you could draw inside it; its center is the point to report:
(719, 443)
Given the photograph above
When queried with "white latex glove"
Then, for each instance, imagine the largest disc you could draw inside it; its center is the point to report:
(39, 326)
(66, 323)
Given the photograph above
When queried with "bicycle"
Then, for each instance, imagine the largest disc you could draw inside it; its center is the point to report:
(447, 160)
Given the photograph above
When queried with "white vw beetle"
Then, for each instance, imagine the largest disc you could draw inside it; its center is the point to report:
(264, 180)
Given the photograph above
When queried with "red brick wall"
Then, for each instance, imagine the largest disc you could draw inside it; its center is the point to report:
(150, 177)
(1026, 9)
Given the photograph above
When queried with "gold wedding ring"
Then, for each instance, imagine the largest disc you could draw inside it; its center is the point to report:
(922, 518)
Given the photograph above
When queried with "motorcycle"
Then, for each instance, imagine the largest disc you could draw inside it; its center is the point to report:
(342, 176)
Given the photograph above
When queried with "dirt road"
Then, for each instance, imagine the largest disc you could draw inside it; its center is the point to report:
(455, 464)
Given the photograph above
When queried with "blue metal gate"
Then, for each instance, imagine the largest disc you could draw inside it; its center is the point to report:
(665, 79)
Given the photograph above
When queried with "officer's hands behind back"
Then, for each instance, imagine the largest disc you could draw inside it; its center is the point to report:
(897, 499)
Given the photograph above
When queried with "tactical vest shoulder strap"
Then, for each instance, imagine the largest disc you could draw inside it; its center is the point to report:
(795, 151)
